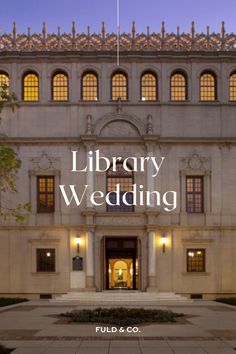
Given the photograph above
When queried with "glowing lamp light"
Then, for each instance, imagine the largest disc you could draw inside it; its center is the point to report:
(78, 243)
(163, 242)
(48, 254)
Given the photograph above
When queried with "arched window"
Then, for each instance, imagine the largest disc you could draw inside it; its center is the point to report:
(208, 87)
(232, 87)
(30, 87)
(89, 87)
(148, 87)
(178, 87)
(125, 179)
(4, 85)
(119, 86)
(60, 87)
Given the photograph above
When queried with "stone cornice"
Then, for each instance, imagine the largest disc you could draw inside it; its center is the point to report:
(84, 228)
(139, 56)
(129, 140)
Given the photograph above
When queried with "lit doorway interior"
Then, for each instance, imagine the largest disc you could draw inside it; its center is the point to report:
(121, 264)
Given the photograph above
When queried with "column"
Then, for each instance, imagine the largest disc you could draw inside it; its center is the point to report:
(89, 214)
(90, 261)
(150, 172)
(151, 261)
(45, 87)
(151, 213)
(208, 191)
(89, 178)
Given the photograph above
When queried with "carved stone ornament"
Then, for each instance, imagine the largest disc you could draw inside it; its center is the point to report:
(149, 124)
(119, 106)
(44, 236)
(89, 125)
(195, 162)
(44, 162)
(132, 41)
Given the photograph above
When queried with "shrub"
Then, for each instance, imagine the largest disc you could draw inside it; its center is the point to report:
(122, 316)
(4, 350)
(4, 301)
(227, 300)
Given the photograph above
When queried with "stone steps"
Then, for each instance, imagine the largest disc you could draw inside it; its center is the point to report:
(120, 298)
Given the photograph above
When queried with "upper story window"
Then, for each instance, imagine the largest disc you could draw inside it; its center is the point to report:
(4, 85)
(119, 86)
(194, 194)
(148, 87)
(45, 194)
(125, 179)
(30, 87)
(208, 89)
(232, 87)
(196, 260)
(89, 87)
(60, 87)
(178, 87)
(46, 259)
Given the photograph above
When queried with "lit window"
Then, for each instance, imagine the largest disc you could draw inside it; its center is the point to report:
(45, 194)
(232, 87)
(46, 259)
(207, 87)
(31, 87)
(4, 86)
(119, 87)
(196, 260)
(148, 87)
(194, 194)
(89, 87)
(125, 180)
(178, 90)
(60, 87)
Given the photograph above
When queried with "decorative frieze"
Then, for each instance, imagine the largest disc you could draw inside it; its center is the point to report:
(44, 162)
(103, 41)
(195, 162)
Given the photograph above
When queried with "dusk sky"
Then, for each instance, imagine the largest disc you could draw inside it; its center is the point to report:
(91, 12)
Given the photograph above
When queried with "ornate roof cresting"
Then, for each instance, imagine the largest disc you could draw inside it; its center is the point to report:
(103, 41)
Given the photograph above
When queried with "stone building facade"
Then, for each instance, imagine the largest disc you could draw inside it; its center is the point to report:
(172, 95)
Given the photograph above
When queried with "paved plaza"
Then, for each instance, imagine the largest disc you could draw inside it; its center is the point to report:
(34, 328)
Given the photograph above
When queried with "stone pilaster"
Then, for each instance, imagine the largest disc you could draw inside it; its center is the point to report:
(151, 261)
(90, 262)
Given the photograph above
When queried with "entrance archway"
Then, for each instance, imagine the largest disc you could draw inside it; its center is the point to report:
(121, 263)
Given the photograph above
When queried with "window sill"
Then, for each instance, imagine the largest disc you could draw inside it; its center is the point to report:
(30, 102)
(89, 101)
(179, 101)
(45, 273)
(119, 101)
(59, 102)
(209, 102)
(201, 274)
(149, 101)
(119, 213)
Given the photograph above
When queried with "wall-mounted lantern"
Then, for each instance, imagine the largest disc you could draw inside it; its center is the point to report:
(163, 242)
(78, 243)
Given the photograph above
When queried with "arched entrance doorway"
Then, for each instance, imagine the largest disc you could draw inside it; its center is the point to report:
(121, 263)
